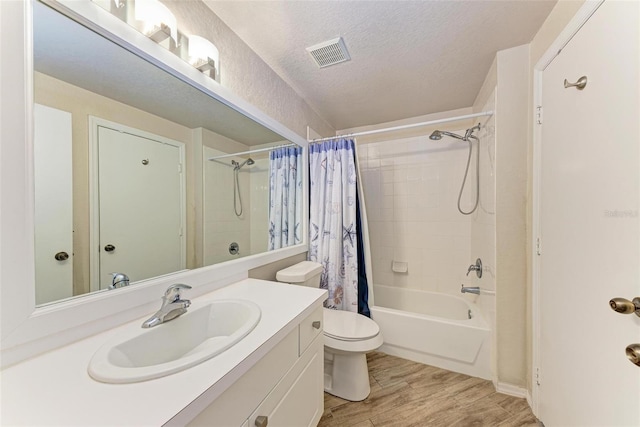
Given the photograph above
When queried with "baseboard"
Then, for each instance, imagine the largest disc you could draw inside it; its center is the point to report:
(513, 390)
(530, 399)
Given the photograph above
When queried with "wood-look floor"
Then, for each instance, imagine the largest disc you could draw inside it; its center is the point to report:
(406, 393)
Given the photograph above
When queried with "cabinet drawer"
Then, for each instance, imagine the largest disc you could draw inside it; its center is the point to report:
(310, 328)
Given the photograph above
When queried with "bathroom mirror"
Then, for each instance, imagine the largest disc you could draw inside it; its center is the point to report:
(122, 177)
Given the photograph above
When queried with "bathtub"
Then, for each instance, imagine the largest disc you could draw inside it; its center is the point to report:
(437, 329)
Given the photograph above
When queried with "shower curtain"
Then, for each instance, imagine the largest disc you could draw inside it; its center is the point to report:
(285, 197)
(334, 224)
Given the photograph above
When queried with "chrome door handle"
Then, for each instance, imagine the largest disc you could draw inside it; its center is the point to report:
(633, 353)
(580, 84)
(624, 306)
(262, 421)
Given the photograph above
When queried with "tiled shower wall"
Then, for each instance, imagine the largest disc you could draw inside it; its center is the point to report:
(411, 189)
(221, 225)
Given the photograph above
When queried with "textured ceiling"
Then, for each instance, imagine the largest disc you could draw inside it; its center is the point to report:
(408, 58)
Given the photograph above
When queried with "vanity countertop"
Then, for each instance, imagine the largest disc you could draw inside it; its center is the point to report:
(55, 388)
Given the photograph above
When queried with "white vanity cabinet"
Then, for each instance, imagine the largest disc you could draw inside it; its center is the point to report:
(284, 388)
(275, 372)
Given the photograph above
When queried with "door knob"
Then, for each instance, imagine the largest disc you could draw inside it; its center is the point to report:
(262, 421)
(633, 353)
(624, 306)
(61, 256)
(109, 248)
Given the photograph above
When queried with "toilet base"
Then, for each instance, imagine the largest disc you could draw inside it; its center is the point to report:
(346, 375)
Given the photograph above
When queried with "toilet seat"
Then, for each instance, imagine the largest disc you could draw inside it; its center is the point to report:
(348, 326)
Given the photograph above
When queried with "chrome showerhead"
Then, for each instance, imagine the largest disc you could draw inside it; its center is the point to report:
(438, 134)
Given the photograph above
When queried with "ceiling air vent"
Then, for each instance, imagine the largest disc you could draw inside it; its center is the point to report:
(329, 53)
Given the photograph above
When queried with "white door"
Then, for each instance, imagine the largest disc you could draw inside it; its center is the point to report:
(590, 226)
(141, 206)
(53, 178)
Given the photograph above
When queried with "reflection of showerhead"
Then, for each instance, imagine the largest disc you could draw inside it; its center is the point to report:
(238, 166)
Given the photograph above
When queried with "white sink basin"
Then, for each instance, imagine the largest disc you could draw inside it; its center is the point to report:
(200, 334)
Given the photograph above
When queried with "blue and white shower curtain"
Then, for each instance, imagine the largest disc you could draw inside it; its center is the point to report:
(285, 197)
(332, 220)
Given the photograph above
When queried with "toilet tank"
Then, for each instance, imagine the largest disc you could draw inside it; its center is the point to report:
(305, 273)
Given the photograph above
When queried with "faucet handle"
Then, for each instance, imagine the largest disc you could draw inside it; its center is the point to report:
(173, 292)
(477, 267)
(119, 280)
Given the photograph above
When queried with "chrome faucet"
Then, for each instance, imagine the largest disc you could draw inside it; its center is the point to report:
(172, 306)
(470, 290)
(477, 267)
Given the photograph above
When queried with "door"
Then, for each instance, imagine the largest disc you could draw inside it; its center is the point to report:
(590, 226)
(141, 206)
(53, 177)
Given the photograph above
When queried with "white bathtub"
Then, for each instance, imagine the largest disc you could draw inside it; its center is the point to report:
(433, 328)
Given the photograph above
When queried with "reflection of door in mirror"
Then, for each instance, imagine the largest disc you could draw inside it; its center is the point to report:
(139, 218)
(53, 204)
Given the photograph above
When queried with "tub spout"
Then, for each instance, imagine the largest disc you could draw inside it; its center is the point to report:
(470, 290)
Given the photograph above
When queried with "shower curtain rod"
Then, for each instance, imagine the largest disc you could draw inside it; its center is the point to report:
(431, 122)
(260, 150)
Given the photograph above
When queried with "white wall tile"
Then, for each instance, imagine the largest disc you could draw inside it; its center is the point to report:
(416, 215)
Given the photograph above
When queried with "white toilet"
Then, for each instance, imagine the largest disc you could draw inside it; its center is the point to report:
(348, 337)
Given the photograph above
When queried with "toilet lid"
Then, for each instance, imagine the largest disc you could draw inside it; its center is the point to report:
(349, 326)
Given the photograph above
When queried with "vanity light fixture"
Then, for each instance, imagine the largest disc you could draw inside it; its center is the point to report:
(159, 23)
(204, 56)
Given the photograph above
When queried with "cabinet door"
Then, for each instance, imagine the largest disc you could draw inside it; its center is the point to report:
(234, 405)
(297, 400)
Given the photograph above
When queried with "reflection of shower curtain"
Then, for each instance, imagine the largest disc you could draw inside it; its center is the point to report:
(285, 197)
(333, 220)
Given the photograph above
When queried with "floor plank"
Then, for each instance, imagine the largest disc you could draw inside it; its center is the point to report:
(407, 394)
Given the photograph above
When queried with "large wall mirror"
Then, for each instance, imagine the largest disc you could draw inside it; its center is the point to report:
(137, 171)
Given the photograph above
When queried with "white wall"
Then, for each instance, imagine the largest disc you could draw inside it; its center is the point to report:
(483, 223)
(511, 186)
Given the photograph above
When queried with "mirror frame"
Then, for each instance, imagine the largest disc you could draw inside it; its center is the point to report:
(27, 330)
